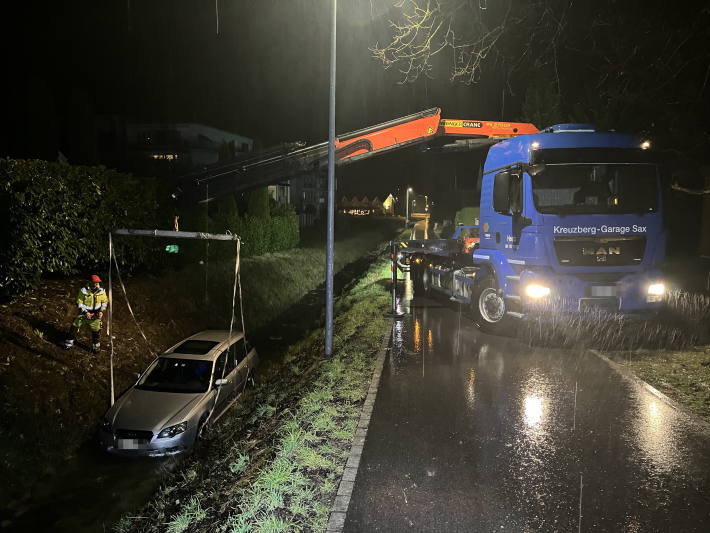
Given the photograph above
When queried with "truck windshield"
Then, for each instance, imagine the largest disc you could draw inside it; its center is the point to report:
(596, 188)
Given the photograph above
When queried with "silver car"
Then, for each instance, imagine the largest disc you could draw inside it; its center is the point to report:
(188, 387)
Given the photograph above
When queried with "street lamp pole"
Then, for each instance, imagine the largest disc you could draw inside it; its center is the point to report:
(331, 195)
(406, 216)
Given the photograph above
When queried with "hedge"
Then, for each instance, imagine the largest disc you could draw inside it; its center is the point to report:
(57, 218)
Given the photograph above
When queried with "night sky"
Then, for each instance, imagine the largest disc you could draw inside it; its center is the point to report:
(632, 66)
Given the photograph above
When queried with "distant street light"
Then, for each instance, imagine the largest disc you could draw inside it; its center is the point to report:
(406, 216)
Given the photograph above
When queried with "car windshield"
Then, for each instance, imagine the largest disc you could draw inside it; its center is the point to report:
(596, 188)
(177, 375)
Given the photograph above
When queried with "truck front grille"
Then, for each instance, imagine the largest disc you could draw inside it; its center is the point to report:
(611, 252)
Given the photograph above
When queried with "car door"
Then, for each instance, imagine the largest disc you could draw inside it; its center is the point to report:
(242, 369)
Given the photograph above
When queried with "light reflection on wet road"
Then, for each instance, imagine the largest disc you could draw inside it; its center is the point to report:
(472, 432)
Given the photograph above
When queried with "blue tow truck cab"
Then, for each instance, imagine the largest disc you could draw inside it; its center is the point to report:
(570, 219)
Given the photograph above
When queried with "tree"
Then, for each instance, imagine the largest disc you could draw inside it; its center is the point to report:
(258, 203)
(427, 29)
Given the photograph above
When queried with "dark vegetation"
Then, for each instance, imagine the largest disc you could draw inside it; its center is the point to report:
(58, 218)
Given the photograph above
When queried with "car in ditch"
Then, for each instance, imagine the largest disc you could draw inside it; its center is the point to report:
(181, 393)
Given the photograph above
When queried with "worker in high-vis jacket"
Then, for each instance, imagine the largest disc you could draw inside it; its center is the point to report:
(92, 303)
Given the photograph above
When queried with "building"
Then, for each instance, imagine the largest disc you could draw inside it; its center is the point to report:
(365, 206)
(166, 149)
(308, 196)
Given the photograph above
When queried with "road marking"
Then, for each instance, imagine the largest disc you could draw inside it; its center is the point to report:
(338, 513)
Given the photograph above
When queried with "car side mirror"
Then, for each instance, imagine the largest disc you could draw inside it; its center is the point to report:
(220, 382)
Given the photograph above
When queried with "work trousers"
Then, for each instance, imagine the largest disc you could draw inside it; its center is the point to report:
(94, 324)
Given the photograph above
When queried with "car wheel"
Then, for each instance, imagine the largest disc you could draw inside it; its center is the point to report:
(488, 307)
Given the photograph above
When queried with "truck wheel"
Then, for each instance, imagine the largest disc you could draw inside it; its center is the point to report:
(488, 307)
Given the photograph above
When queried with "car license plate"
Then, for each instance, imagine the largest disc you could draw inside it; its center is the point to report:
(130, 444)
(603, 290)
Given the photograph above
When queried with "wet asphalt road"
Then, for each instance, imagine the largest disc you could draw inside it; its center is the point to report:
(472, 432)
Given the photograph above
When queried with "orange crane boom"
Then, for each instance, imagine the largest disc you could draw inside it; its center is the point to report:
(276, 165)
(421, 127)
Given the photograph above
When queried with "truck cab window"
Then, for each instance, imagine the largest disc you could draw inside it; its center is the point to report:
(596, 188)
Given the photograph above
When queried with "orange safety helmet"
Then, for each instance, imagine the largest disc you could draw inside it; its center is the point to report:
(95, 279)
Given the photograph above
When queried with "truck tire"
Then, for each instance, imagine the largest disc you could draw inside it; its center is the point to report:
(488, 307)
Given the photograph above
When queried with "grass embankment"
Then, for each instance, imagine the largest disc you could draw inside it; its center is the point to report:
(680, 366)
(52, 399)
(274, 462)
(682, 375)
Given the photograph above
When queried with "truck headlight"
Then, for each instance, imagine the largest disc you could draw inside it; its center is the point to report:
(171, 431)
(655, 292)
(537, 291)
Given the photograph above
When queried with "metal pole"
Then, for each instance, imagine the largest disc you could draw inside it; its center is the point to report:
(109, 332)
(331, 194)
(393, 256)
(406, 216)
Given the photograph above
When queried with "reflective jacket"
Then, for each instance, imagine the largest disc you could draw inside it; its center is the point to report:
(92, 301)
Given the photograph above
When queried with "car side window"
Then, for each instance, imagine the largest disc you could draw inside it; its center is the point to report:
(239, 350)
(231, 360)
(219, 365)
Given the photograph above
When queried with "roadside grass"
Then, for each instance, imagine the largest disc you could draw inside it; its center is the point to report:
(683, 375)
(273, 282)
(191, 514)
(274, 462)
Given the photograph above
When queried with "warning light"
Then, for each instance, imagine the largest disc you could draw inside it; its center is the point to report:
(645, 145)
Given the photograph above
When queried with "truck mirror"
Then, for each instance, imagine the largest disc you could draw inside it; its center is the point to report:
(501, 193)
(535, 169)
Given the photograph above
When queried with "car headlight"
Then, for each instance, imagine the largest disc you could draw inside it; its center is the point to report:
(171, 431)
(537, 291)
(655, 292)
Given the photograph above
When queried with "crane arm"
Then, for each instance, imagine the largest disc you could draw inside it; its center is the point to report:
(276, 165)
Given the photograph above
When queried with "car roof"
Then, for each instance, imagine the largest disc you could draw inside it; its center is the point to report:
(219, 336)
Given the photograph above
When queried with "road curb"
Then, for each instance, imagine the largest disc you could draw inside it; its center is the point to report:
(339, 511)
(637, 381)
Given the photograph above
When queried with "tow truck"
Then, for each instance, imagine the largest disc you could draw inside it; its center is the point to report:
(570, 216)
